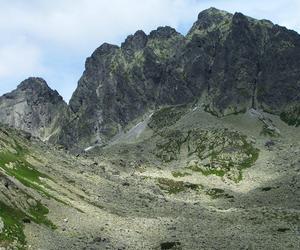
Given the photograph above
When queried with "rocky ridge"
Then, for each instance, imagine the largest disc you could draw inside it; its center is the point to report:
(228, 63)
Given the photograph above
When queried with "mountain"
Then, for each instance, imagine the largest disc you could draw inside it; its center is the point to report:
(168, 142)
(228, 63)
(33, 107)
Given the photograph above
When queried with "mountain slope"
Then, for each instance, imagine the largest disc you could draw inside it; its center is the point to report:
(185, 180)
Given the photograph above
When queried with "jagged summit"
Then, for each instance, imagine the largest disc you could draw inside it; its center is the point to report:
(136, 41)
(163, 33)
(104, 49)
(33, 82)
(37, 87)
(33, 107)
(228, 62)
(212, 11)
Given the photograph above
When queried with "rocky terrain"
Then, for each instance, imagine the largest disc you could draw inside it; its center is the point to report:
(35, 108)
(227, 186)
(229, 62)
(169, 142)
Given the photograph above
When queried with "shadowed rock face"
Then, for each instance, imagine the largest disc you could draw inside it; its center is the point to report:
(230, 62)
(227, 62)
(33, 107)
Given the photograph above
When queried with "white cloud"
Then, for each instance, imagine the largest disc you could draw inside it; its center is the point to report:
(77, 23)
(19, 57)
(36, 34)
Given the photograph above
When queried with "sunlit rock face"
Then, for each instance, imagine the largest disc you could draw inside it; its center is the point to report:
(33, 107)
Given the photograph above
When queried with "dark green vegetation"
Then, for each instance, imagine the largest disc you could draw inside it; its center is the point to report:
(166, 117)
(267, 131)
(206, 172)
(217, 152)
(216, 193)
(291, 116)
(15, 164)
(15, 218)
(170, 245)
(175, 187)
(13, 226)
(177, 174)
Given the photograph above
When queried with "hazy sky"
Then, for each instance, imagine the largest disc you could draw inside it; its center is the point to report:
(52, 38)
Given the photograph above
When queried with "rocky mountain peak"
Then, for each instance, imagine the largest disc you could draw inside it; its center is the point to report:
(240, 19)
(165, 32)
(105, 49)
(33, 83)
(33, 107)
(212, 12)
(211, 17)
(135, 42)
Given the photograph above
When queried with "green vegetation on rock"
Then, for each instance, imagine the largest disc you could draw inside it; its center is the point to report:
(177, 174)
(15, 165)
(215, 152)
(14, 218)
(216, 193)
(166, 117)
(292, 116)
(175, 187)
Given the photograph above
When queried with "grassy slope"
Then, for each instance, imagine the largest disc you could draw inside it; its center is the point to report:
(13, 163)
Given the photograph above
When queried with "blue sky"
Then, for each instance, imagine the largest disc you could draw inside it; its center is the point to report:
(51, 39)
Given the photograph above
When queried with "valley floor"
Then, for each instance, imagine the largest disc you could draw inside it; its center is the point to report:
(130, 195)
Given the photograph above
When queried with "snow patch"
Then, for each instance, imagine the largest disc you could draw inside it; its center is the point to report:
(89, 148)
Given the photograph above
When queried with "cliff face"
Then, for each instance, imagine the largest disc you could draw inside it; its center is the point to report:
(226, 62)
(33, 107)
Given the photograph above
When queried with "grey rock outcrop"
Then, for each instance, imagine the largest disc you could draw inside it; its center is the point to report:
(33, 107)
(229, 62)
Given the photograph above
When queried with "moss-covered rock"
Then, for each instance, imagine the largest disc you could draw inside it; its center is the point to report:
(217, 152)
(291, 116)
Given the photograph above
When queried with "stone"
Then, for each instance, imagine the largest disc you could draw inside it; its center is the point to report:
(1, 225)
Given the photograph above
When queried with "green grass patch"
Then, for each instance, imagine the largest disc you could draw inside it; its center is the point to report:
(13, 227)
(207, 171)
(14, 220)
(15, 165)
(38, 213)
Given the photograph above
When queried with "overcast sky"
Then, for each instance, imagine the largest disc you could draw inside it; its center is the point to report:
(52, 38)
